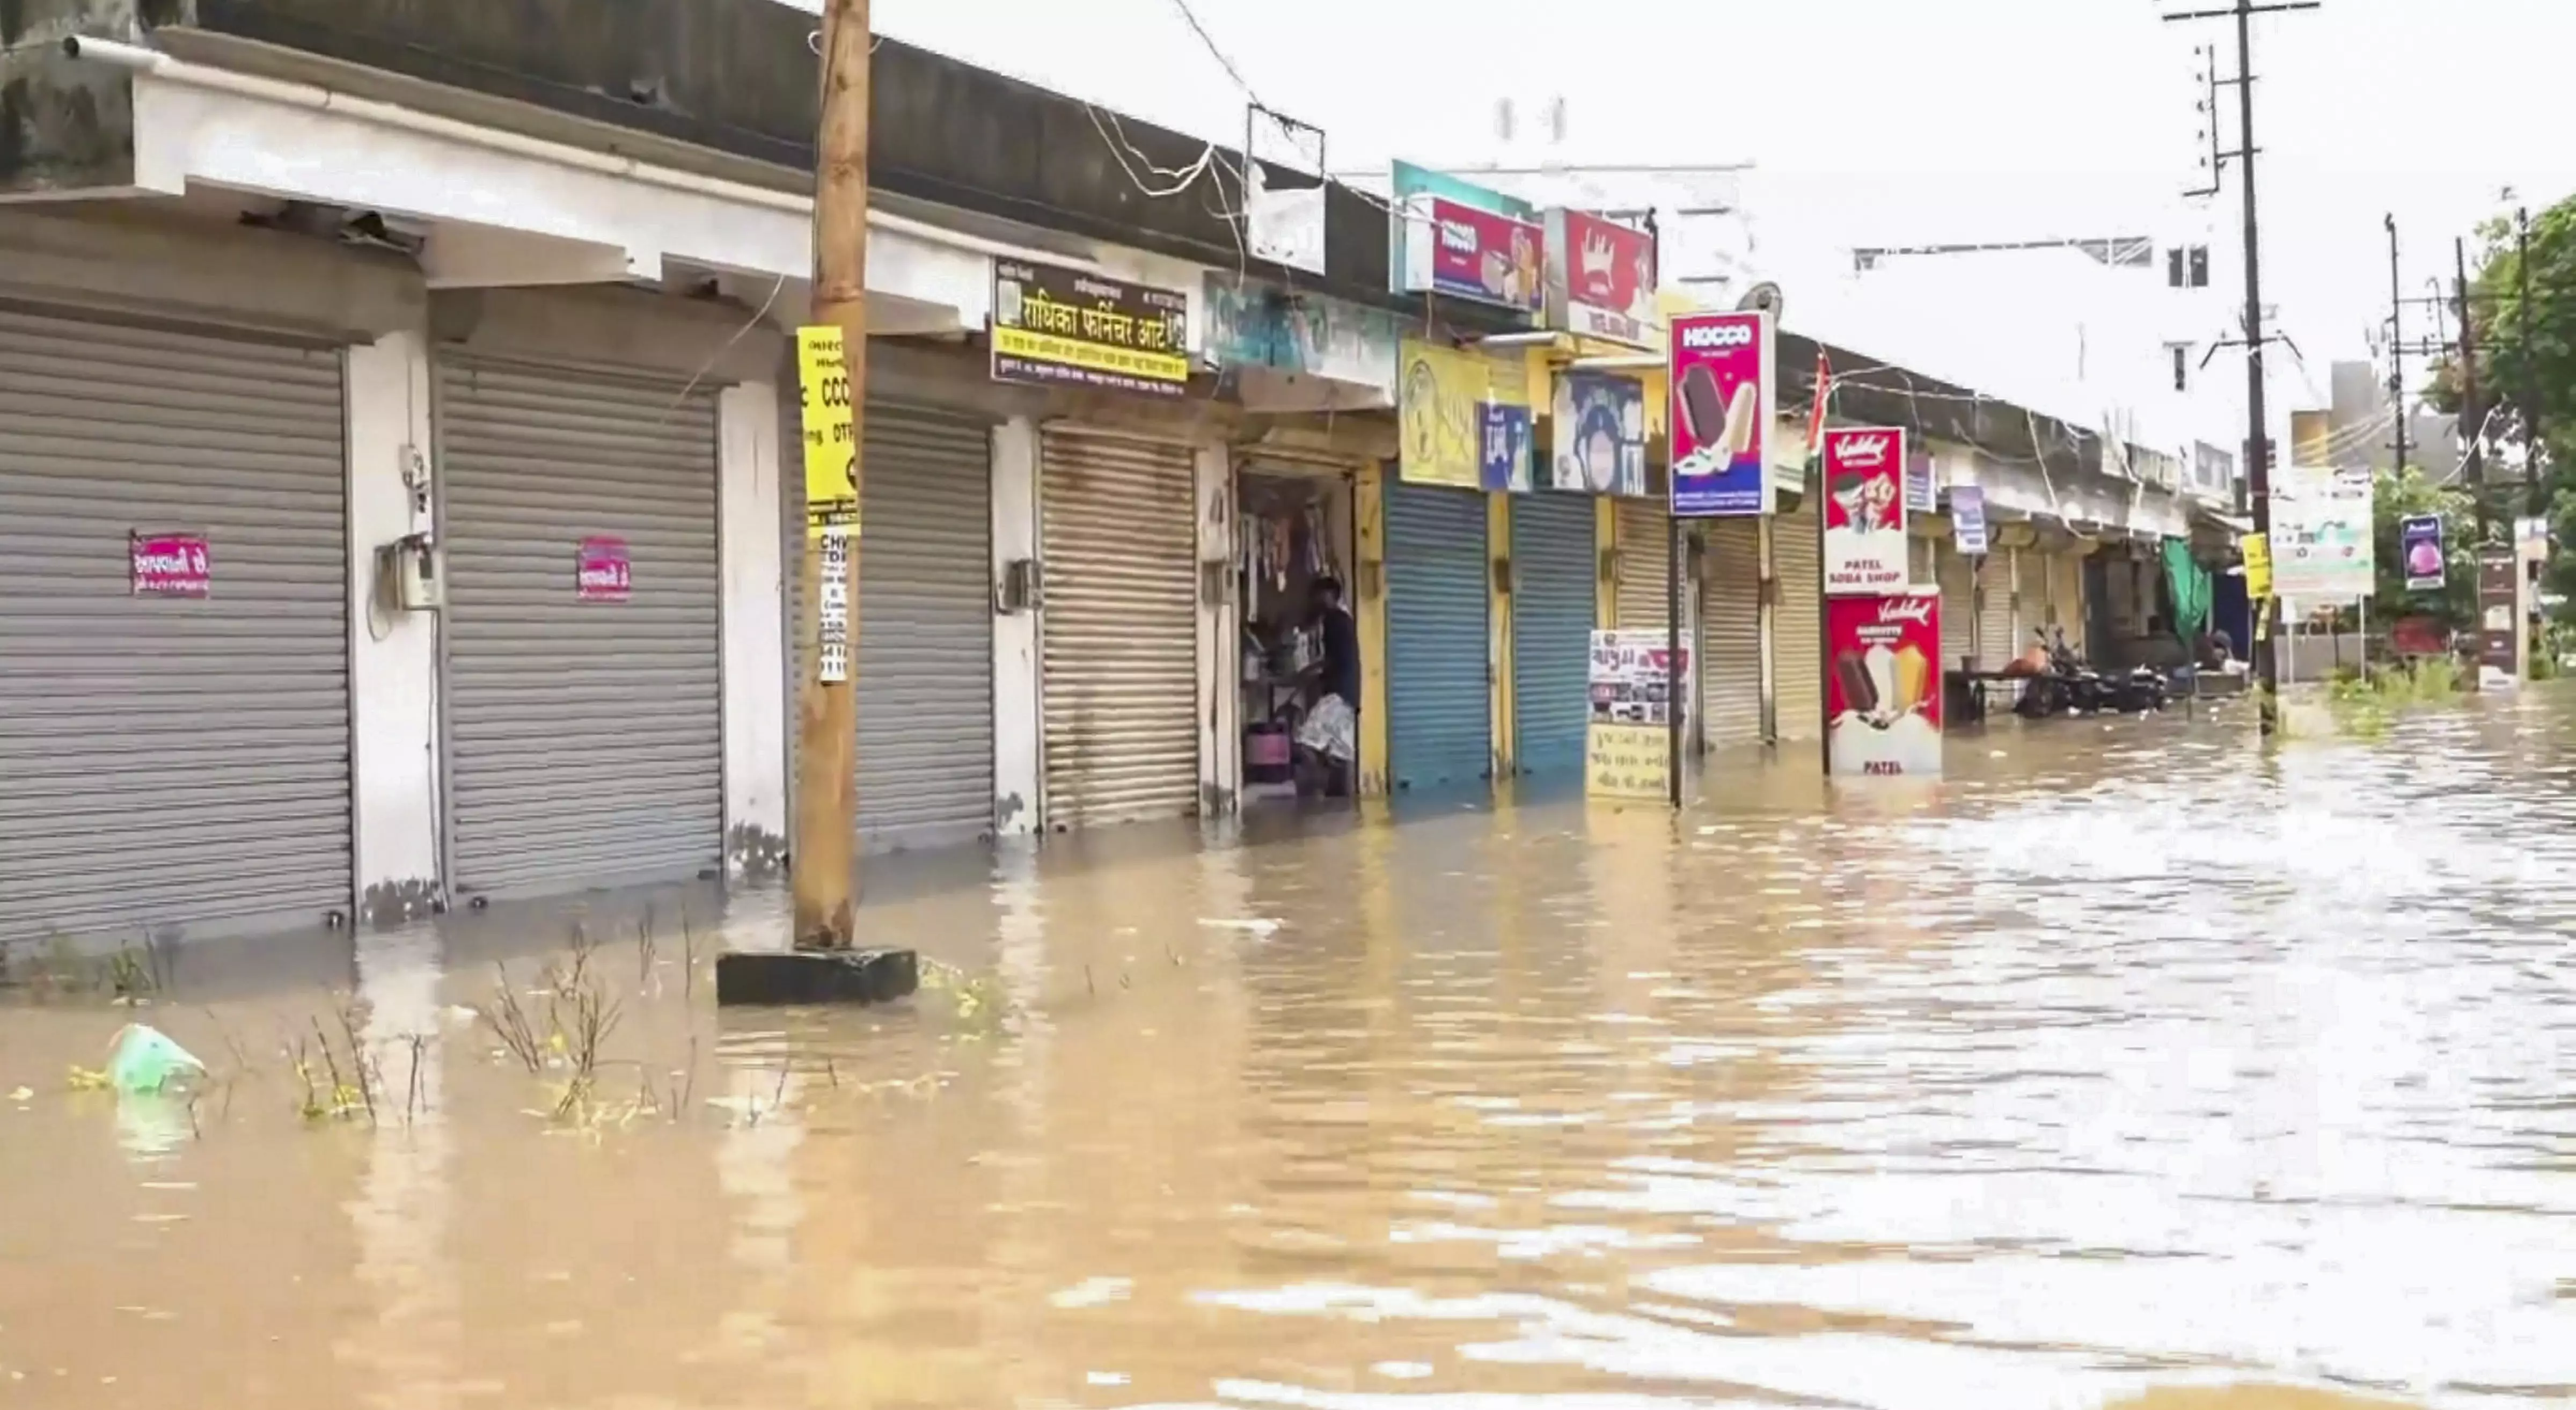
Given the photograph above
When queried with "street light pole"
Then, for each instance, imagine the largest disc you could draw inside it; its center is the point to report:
(2396, 345)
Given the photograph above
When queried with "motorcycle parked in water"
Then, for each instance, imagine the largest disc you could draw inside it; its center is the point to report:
(2069, 686)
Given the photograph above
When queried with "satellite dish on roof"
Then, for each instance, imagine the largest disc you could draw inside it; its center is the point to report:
(1761, 298)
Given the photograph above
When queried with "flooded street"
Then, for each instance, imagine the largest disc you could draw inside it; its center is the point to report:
(2129, 1058)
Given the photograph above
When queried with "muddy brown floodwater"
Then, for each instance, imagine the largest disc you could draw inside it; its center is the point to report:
(2129, 1062)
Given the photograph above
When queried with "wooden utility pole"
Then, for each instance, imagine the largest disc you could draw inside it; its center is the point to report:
(2258, 449)
(823, 860)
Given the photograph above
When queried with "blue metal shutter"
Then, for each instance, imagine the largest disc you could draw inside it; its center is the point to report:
(1441, 721)
(1552, 615)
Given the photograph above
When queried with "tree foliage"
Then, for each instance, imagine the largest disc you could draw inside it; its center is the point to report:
(2398, 499)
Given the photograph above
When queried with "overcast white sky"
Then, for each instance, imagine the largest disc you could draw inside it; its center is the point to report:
(1885, 121)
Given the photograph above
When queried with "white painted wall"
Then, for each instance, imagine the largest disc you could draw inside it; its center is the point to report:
(751, 559)
(1018, 729)
(1220, 652)
(393, 655)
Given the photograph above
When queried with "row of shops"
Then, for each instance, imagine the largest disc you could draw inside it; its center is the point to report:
(353, 569)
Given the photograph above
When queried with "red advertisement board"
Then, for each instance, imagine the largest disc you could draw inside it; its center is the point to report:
(1883, 685)
(1865, 548)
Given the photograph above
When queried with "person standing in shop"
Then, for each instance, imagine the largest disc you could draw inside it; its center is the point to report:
(1330, 734)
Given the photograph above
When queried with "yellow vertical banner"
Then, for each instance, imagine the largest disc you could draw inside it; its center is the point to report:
(831, 444)
(1370, 492)
(2311, 438)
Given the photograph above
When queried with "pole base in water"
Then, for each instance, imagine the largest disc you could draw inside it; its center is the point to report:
(772, 979)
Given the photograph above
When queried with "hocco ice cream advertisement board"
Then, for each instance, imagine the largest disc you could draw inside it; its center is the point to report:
(1720, 365)
(1883, 686)
(1865, 512)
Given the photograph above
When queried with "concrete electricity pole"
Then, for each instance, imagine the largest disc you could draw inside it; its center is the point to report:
(2258, 457)
(2535, 492)
(823, 861)
(2396, 345)
(2472, 415)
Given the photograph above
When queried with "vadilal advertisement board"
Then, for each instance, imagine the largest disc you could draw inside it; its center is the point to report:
(1864, 523)
(1882, 686)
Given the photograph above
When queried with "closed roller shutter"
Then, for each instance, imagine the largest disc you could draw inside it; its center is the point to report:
(1998, 641)
(924, 671)
(1645, 566)
(170, 762)
(1797, 654)
(584, 738)
(1731, 633)
(2066, 596)
(1119, 533)
(1553, 572)
(1440, 715)
(1919, 568)
(1958, 606)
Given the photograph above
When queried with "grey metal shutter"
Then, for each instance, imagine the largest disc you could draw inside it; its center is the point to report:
(1553, 572)
(166, 762)
(1958, 605)
(585, 739)
(1798, 625)
(1998, 642)
(1118, 526)
(1439, 702)
(1645, 566)
(924, 671)
(1731, 632)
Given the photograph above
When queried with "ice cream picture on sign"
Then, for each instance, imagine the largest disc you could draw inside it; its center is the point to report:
(1865, 512)
(1882, 687)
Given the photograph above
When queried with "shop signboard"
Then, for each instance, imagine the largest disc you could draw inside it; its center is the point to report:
(1968, 520)
(1440, 415)
(603, 570)
(1628, 740)
(1883, 686)
(1721, 373)
(2419, 545)
(170, 565)
(1599, 434)
(1464, 241)
(1864, 521)
(1054, 326)
(1602, 282)
(2257, 551)
(1922, 489)
(2321, 534)
(1503, 441)
(1252, 324)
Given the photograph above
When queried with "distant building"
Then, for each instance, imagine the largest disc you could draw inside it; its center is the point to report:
(2363, 426)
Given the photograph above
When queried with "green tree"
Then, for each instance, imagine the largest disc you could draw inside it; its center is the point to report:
(2521, 356)
(2396, 500)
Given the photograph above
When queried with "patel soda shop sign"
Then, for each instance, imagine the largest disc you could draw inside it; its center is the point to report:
(1883, 686)
(1721, 375)
(1865, 512)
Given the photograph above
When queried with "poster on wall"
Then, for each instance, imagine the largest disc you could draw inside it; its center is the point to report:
(1440, 418)
(1503, 439)
(1865, 548)
(1599, 432)
(2419, 545)
(1882, 690)
(831, 440)
(1054, 326)
(1922, 492)
(603, 570)
(170, 565)
(2322, 547)
(1720, 366)
(1628, 737)
(1602, 282)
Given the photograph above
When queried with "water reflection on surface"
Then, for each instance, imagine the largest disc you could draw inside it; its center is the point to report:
(2126, 1061)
